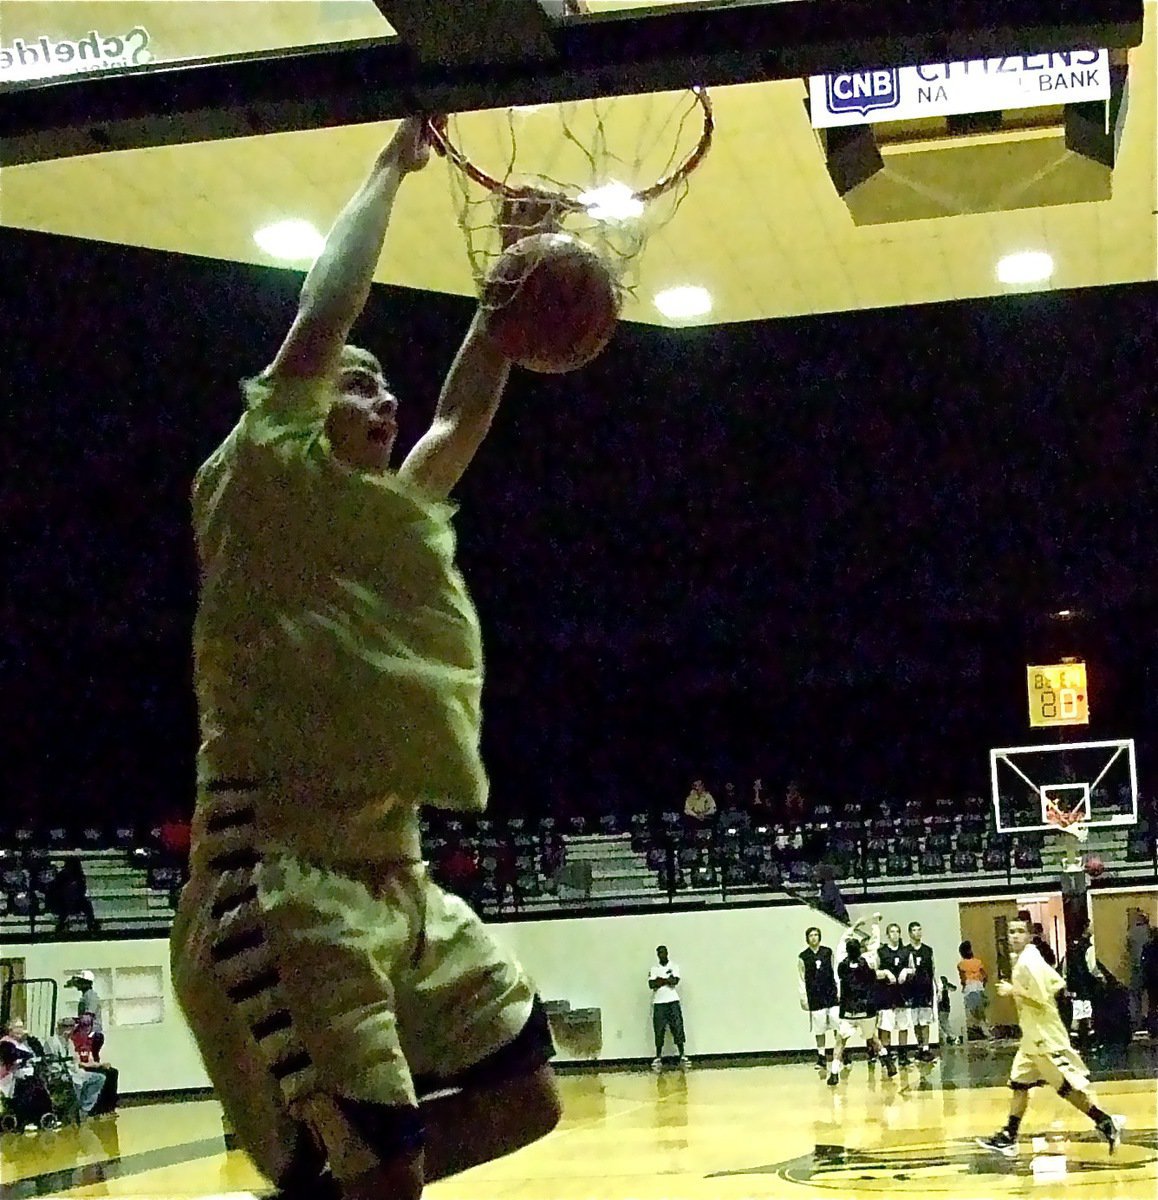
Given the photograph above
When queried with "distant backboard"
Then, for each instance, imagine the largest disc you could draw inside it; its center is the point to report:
(1099, 778)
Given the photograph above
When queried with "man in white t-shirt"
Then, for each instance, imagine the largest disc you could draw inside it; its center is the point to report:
(665, 1007)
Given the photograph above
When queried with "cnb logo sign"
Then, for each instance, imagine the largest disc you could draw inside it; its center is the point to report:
(863, 91)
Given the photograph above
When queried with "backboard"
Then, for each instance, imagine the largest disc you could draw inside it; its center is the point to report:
(1098, 778)
(239, 93)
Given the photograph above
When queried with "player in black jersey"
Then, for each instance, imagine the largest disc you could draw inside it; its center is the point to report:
(818, 995)
(858, 977)
(918, 986)
(893, 1016)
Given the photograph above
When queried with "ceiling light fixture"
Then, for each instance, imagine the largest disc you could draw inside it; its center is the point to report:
(1030, 266)
(612, 201)
(294, 241)
(681, 303)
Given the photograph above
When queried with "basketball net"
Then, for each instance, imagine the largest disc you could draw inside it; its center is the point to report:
(1067, 822)
(613, 169)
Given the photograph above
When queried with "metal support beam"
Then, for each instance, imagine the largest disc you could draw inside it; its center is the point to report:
(471, 31)
(639, 50)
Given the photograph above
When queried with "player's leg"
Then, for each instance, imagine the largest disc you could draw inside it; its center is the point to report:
(1065, 1071)
(844, 1030)
(1004, 1141)
(922, 1019)
(902, 1019)
(480, 1124)
(475, 1036)
(659, 1029)
(819, 1023)
(876, 1047)
(255, 1115)
(677, 1030)
(821, 1042)
(1024, 1075)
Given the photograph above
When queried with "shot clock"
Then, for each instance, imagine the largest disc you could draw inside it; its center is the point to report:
(1058, 695)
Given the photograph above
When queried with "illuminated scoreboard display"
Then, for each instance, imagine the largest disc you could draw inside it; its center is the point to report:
(1058, 695)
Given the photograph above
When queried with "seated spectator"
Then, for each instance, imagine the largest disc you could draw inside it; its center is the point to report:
(28, 1048)
(19, 1084)
(459, 872)
(82, 1040)
(67, 896)
(700, 805)
(88, 1084)
(174, 835)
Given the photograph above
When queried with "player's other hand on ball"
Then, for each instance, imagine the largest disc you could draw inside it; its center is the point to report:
(409, 148)
(1004, 988)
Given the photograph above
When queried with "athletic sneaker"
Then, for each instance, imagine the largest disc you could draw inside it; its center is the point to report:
(657, 1064)
(1112, 1131)
(1002, 1141)
(822, 1064)
(685, 1062)
(925, 1055)
(833, 1078)
(890, 1066)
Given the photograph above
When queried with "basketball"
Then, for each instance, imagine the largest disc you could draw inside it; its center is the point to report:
(1094, 866)
(552, 303)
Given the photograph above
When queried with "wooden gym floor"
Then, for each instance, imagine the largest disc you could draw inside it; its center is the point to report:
(717, 1133)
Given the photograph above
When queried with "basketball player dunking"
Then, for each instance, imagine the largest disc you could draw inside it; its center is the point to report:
(362, 1030)
(1045, 1055)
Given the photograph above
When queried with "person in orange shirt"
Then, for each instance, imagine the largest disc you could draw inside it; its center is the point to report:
(971, 972)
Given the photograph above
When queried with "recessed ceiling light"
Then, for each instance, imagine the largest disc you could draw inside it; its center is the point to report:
(612, 201)
(295, 241)
(683, 302)
(1031, 266)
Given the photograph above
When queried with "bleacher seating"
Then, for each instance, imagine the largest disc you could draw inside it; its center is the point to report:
(547, 862)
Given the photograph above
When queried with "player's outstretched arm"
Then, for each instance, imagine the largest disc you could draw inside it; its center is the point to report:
(470, 396)
(467, 406)
(338, 284)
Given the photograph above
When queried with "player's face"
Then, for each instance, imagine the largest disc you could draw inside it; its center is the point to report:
(362, 422)
(813, 939)
(893, 933)
(17, 1030)
(1019, 937)
(915, 935)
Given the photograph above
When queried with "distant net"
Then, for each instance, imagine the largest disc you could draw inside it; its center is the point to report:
(1065, 821)
(613, 169)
